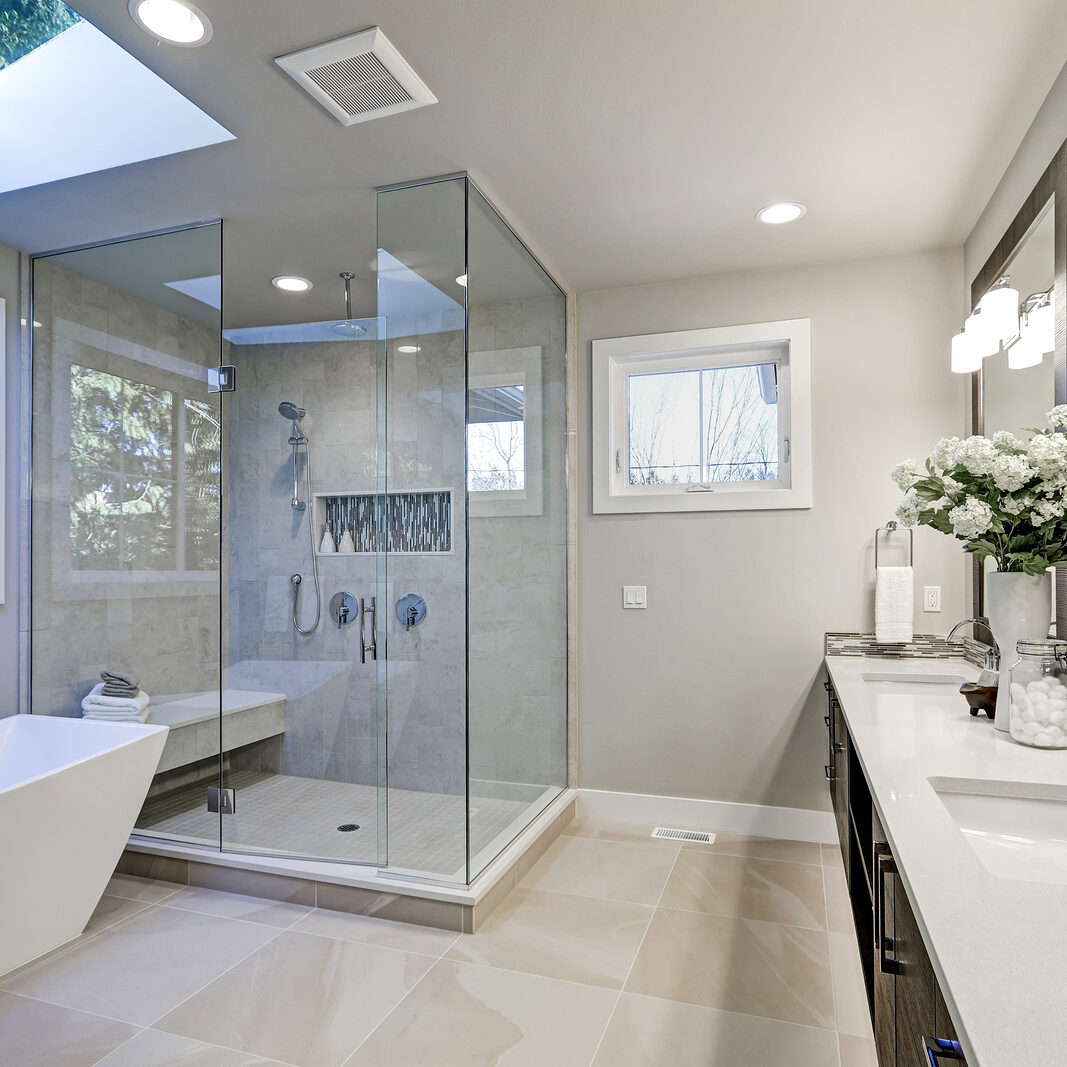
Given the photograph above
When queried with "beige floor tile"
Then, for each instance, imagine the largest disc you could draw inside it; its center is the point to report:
(778, 972)
(112, 910)
(277, 913)
(624, 832)
(838, 906)
(761, 848)
(858, 1051)
(769, 890)
(575, 938)
(35, 1034)
(370, 931)
(850, 992)
(151, 1048)
(649, 1032)
(832, 857)
(605, 869)
(150, 890)
(301, 999)
(460, 1015)
(144, 966)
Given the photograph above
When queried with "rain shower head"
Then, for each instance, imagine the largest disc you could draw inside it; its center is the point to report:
(288, 410)
(348, 328)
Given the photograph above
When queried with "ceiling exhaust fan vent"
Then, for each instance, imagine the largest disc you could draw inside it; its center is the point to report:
(359, 77)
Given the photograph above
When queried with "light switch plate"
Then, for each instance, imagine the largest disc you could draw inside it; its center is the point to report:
(931, 598)
(634, 597)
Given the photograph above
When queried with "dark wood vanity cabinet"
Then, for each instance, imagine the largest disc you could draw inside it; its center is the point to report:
(907, 1007)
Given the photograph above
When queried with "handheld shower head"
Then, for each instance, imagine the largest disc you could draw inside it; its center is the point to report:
(288, 410)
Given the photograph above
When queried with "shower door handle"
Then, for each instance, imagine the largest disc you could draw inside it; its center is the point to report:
(364, 648)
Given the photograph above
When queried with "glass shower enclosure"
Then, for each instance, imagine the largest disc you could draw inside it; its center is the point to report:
(343, 582)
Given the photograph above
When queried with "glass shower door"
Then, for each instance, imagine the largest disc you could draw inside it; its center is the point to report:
(300, 694)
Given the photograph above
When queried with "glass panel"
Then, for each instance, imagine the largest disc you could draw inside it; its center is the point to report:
(300, 706)
(126, 499)
(421, 260)
(740, 423)
(719, 424)
(517, 502)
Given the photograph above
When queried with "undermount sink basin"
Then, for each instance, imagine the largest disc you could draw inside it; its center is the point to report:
(1013, 833)
(914, 684)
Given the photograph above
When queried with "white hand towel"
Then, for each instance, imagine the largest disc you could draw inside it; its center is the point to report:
(114, 715)
(894, 605)
(97, 701)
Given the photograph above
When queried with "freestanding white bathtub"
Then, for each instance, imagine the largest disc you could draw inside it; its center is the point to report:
(70, 790)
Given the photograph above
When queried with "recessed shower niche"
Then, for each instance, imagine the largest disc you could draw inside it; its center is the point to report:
(177, 532)
(407, 523)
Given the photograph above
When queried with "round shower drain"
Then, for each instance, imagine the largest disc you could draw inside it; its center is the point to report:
(348, 827)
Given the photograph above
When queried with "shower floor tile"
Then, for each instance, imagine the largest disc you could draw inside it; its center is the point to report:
(282, 813)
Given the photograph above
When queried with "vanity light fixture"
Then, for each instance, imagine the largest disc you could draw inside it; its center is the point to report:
(1000, 312)
(407, 349)
(981, 339)
(1024, 353)
(776, 214)
(462, 280)
(291, 283)
(172, 21)
(1041, 319)
(965, 357)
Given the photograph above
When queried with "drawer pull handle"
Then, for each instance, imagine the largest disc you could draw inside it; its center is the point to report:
(826, 768)
(942, 1049)
(886, 865)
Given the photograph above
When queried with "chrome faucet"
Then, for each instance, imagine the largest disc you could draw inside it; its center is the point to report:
(992, 655)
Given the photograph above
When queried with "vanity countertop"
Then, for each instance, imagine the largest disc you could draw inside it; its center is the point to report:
(998, 945)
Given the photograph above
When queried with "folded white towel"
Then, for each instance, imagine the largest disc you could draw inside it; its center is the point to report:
(894, 605)
(116, 715)
(98, 702)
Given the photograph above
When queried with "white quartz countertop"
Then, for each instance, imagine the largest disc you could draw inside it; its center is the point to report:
(998, 945)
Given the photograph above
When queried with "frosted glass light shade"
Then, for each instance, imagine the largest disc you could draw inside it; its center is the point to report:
(1042, 323)
(1025, 352)
(965, 358)
(1000, 312)
(981, 340)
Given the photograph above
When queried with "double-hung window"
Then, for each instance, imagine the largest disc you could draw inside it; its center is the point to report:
(703, 420)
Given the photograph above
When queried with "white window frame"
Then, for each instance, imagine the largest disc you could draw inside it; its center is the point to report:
(787, 343)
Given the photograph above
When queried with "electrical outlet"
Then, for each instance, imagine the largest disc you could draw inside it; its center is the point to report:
(931, 598)
(633, 597)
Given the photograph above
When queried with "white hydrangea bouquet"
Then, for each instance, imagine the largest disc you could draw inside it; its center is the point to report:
(1002, 497)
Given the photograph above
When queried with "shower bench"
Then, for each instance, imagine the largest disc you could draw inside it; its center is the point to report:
(247, 717)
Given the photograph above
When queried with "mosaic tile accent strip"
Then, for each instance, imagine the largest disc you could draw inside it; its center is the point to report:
(922, 646)
(415, 522)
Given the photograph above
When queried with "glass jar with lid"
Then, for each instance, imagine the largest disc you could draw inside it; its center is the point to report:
(1039, 694)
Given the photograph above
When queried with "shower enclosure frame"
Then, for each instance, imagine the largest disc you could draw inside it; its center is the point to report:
(381, 866)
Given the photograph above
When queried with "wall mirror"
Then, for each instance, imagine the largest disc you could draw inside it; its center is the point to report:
(1027, 375)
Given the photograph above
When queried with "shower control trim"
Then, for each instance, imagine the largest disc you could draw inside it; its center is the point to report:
(364, 648)
(344, 607)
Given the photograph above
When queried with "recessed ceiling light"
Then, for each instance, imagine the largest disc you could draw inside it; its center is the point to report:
(172, 21)
(775, 214)
(291, 283)
(462, 280)
(407, 348)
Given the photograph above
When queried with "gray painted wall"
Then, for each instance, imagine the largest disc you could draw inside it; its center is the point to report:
(9, 612)
(1045, 135)
(715, 690)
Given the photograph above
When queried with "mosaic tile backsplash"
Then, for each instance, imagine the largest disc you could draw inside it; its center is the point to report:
(922, 646)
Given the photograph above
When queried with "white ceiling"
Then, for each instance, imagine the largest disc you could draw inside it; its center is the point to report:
(627, 142)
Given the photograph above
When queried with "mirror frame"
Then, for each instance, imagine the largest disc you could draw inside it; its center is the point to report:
(1052, 185)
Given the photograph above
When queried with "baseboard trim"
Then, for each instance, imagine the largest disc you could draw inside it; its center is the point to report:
(762, 820)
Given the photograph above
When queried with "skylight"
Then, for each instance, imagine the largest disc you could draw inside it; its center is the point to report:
(73, 102)
(28, 24)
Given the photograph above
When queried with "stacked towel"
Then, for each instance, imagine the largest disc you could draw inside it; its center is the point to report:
(98, 705)
(894, 604)
(120, 685)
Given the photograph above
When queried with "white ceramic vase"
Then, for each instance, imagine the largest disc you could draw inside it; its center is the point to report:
(1019, 608)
